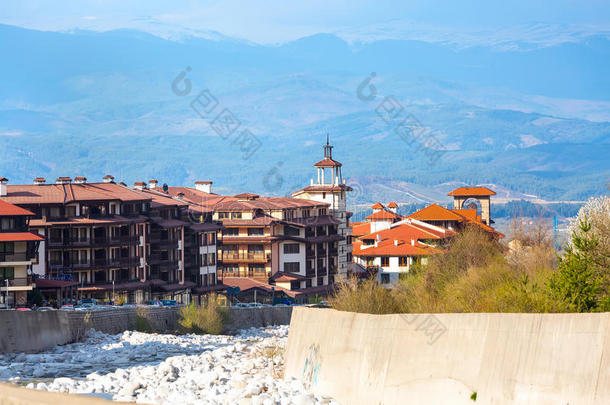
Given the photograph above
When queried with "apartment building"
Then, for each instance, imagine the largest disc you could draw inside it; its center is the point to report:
(18, 250)
(117, 243)
(94, 233)
(265, 238)
(182, 246)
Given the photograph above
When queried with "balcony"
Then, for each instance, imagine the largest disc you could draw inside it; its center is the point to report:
(16, 257)
(16, 282)
(125, 240)
(237, 257)
(165, 243)
(321, 252)
(310, 253)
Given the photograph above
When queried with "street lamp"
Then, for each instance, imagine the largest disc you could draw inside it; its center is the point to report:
(6, 295)
(113, 292)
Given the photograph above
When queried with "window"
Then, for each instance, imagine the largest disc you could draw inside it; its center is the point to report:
(403, 261)
(292, 267)
(236, 215)
(256, 268)
(385, 261)
(385, 278)
(204, 259)
(255, 231)
(230, 232)
(211, 259)
(370, 261)
(259, 249)
(308, 283)
(322, 211)
(291, 231)
(231, 268)
(7, 224)
(70, 211)
(7, 248)
(7, 272)
(291, 248)
(305, 214)
(222, 215)
(212, 238)
(289, 214)
(295, 285)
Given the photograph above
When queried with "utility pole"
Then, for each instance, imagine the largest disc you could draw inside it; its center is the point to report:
(6, 295)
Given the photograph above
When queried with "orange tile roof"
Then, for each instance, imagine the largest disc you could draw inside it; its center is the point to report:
(323, 188)
(215, 202)
(327, 162)
(160, 199)
(469, 213)
(388, 248)
(403, 234)
(383, 215)
(408, 231)
(392, 205)
(19, 236)
(471, 191)
(435, 212)
(7, 209)
(246, 284)
(377, 206)
(65, 193)
(361, 229)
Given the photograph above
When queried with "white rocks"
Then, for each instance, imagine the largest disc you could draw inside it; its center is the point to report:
(168, 369)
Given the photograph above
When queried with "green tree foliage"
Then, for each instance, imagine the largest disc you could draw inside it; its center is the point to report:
(579, 281)
(209, 318)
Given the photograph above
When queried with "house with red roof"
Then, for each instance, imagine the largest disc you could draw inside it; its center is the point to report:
(390, 252)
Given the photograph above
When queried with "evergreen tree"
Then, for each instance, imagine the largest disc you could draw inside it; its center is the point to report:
(578, 281)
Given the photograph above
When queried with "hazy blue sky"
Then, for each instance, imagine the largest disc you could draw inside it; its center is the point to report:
(278, 21)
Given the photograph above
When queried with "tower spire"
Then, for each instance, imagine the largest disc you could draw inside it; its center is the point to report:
(328, 149)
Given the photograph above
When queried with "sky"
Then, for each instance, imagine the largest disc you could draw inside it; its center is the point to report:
(277, 21)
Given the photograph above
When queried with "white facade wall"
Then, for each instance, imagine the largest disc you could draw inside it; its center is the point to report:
(210, 269)
(293, 257)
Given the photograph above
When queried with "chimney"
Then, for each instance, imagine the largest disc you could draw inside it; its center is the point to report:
(3, 187)
(393, 207)
(108, 179)
(80, 180)
(205, 186)
(63, 180)
(152, 184)
(39, 181)
(412, 242)
(395, 242)
(139, 185)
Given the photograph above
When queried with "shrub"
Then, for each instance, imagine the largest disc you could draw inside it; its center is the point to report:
(142, 323)
(209, 318)
(366, 297)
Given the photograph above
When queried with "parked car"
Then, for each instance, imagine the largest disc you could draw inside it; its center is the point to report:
(169, 303)
(43, 309)
(22, 309)
(254, 304)
(153, 303)
(67, 307)
(241, 305)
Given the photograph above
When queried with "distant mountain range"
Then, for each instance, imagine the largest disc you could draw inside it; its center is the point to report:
(530, 120)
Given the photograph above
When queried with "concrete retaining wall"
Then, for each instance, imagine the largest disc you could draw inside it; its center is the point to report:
(37, 331)
(444, 358)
